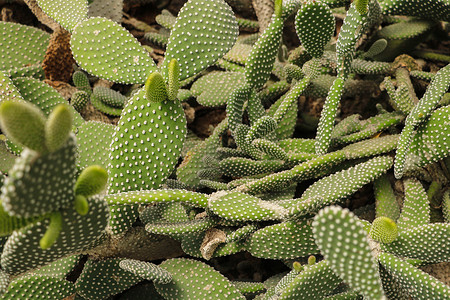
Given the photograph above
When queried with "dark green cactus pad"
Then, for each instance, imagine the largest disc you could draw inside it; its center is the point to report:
(172, 212)
(125, 60)
(93, 140)
(343, 242)
(331, 189)
(68, 15)
(213, 30)
(429, 243)
(285, 240)
(159, 129)
(419, 284)
(224, 84)
(105, 108)
(109, 97)
(43, 96)
(180, 229)
(21, 45)
(101, 279)
(8, 90)
(315, 25)
(22, 251)
(426, 9)
(237, 206)
(210, 284)
(240, 166)
(122, 217)
(27, 192)
(430, 143)
(39, 287)
(7, 159)
(79, 100)
(249, 287)
(146, 270)
(314, 282)
(60, 268)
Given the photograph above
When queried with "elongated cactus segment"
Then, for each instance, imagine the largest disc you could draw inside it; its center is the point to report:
(58, 127)
(127, 61)
(215, 38)
(52, 232)
(109, 97)
(91, 181)
(335, 243)
(434, 10)
(416, 208)
(155, 88)
(413, 280)
(385, 199)
(182, 271)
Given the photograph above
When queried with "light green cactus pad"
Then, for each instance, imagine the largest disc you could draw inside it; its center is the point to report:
(183, 287)
(315, 25)
(285, 240)
(429, 243)
(224, 84)
(107, 50)
(314, 282)
(44, 96)
(93, 140)
(159, 129)
(27, 192)
(237, 206)
(427, 9)
(146, 270)
(21, 45)
(419, 284)
(39, 287)
(416, 208)
(385, 199)
(67, 14)
(22, 251)
(343, 242)
(213, 31)
(101, 279)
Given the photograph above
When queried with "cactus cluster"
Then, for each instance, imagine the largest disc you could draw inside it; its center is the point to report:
(94, 210)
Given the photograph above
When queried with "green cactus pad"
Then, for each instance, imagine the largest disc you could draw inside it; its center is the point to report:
(91, 181)
(68, 15)
(183, 287)
(285, 240)
(94, 139)
(81, 81)
(430, 143)
(166, 19)
(109, 97)
(427, 9)
(21, 45)
(24, 124)
(213, 29)
(101, 279)
(39, 287)
(339, 185)
(419, 284)
(155, 196)
(22, 251)
(60, 268)
(385, 199)
(383, 230)
(240, 166)
(314, 282)
(180, 229)
(260, 62)
(224, 84)
(242, 207)
(239, 53)
(315, 25)
(343, 242)
(8, 223)
(58, 127)
(28, 193)
(146, 270)
(159, 129)
(429, 243)
(43, 96)
(79, 100)
(7, 159)
(105, 49)
(416, 208)
(8, 91)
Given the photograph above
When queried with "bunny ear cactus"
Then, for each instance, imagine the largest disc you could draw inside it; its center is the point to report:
(68, 15)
